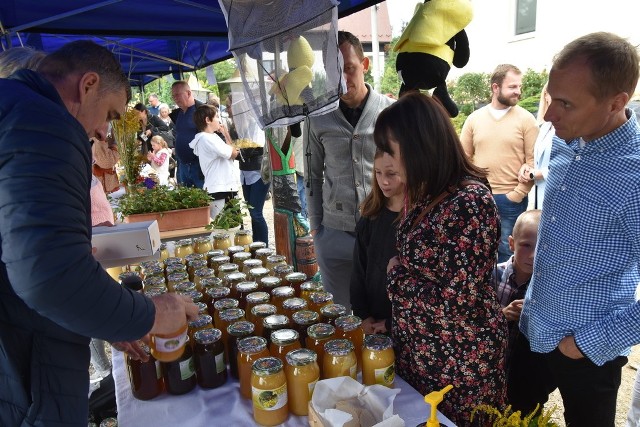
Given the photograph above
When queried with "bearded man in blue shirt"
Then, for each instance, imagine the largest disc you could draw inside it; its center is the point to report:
(580, 315)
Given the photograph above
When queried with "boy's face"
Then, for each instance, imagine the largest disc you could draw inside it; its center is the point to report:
(523, 246)
(214, 123)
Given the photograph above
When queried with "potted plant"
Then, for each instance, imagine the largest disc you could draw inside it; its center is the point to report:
(231, 215)
(174, 209)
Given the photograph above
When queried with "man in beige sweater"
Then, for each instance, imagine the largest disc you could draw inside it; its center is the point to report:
(500, 137)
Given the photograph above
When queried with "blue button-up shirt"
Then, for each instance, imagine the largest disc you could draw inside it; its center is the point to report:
(587, 258)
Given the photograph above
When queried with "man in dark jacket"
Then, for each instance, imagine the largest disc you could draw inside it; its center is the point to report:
(53, 294)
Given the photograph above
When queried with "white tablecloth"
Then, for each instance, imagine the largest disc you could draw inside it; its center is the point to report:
(223, 406)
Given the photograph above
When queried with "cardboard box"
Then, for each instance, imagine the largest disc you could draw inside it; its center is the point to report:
(125, 244)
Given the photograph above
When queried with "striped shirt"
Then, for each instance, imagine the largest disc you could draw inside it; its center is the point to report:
(504, 278)
(587, 258)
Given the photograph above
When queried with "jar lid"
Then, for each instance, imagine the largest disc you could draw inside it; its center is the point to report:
(265, 251)
(251, 263)
(204, 239)
(349, 322)
(266, 366)
(241, 256)
(220, 235)
(281, 269)
(231, 314)
(259, 271)
(246, 286)
(154, 281)
(183, 242)
(204, 272)
(153, 270)
(207, 336)
(226, 303)
(333, 310)
(269, 282)
(259, 297)
(296, 276)
(173, 260)
(241, 328)
(257, 245)
(276, 258)
(252, 345)
(193, 257)
(201, 321)
(264, 310)
(218, 292)
(221, 259)
(178, 276)
(202, 307)
(284, 336)
(184, 286)
(301, 357)
(244, 232)
(321, 330)
(194, 294)
(338, 347)
(163, 246)
(235, 249)
(236, 276)
(305, 317)
(230, 267)
(283, 291)
(275, 321)
(175, 268)
(294, 303)
(155, 291)
(210, 282)
(320, 297)
(311, 286)
(215, 253)
(126, 274)
(377, 342)
(198, 264)
(149, 263)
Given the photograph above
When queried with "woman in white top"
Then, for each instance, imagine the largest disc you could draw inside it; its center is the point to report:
(541, 153)
(159, 159)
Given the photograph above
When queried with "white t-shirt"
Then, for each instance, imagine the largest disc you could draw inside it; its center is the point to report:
(221, 173)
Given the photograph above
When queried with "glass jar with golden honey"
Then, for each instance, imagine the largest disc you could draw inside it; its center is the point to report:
(240, 257)
(350, 327)
(317, 300)
(281, 270)
(232, 279)
(227, 317)
(193, 257)
(212, 254)
(195, 265)
(175, 267)
(263, 253)
(208, 354)
(164, 252)
(203, 321)
(292, 305)
(216, 262)
(279, 294)
(330, 312)
(221, 241)
(302, 372)
(250, 264)
(183, 248)
(169, 347)
(273, 260)
(378, 361)
(258, 273)
(295, 280)
(180, 375)
(243, 238)
(302, 320)
(203, 273)
(174, 278)
(235, 332)
(339, 359)
(209, 282)
(273, 323)
(250, 349)
(259, 313)
(308, 287)
(317, 335)
(269, 392)
(221, 305)
(202, 245)
(145, 377)
(227, 268)
(254, 246)
(232, 250)
(243, 289)
(282, 342)
(216, 294)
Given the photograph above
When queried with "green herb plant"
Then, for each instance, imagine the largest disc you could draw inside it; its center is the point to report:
(161, 199)
(488, 415)
(231, 215)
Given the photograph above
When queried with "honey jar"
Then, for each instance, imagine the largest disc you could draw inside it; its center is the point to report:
(317, 335)
(221, 305)
(235, 332)
(232, 250)
(350, 327)
(282, 342)
(281, 269)
(208, 354)
(232, 279)
(184, 287)
(145, 377)
(339, 359)
(269, 392)
(293, 305)
(201, 274)
(378, 361)
(227, 317)
(243, 289)
(259, 313)
(273, 323)
(174, 278)
(169, 347)
(183, 248)
(302, 374)
(212, 254)
(180, 375)
(253, 299)
(258, 273)
(330, 312)
(202, 245)
(317, 300)
(216, 262)
(250, 349)
(295, 280)
(203, 321)
(154, 282)
(254, 246)
(214, 295)
(279, 294)
(302, 320)
(173, 260)
(263, 253)
(243, 238)
(308, 287)
(195, 265)
(240, 257)
(250, 264)
(193, 257)
(164, 252)
(221, 241)
(227, 268)
(273, 260)
(175, 267)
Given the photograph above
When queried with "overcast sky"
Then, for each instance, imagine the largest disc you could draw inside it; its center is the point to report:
(400, 11)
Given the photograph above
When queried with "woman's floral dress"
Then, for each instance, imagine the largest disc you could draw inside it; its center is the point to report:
(448, 326)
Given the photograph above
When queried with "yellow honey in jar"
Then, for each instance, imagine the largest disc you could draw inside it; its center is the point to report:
(350, 327)
(250, 349)
(243, 238)
(269, 392)
(282, 342)
(339, 359)
(378, 361)
(221, 241)
(202, 245)
(317, 335)
(169, 347)
(302, 374)
(183, 248)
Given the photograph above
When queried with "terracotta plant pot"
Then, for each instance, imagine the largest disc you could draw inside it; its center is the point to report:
(175, 220)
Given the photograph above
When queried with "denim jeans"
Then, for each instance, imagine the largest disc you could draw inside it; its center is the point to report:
(509, 212)
(190, 175)
(302, 194)
(255, 195)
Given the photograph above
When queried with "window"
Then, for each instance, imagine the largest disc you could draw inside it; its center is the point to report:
(525, 16)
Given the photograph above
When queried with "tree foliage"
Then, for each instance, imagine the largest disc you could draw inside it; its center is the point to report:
(532, 82)
(471, 89)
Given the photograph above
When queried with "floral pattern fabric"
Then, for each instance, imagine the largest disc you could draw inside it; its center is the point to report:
(448, 326)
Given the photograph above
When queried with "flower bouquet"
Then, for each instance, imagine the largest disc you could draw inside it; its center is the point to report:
(125, 132)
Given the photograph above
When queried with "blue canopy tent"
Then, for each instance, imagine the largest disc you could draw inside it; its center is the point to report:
(151, 38)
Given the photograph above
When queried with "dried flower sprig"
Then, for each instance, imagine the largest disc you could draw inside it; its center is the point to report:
(125, 132)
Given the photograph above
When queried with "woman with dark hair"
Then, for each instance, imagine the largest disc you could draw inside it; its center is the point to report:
(447, 324)
(146, 129)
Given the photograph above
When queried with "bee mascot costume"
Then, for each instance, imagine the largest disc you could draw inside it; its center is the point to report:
(434, 39)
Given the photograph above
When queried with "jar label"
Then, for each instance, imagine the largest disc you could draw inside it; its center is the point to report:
(312, 386)
(269, 400)
(220, 365)
(385, 376)
(168, 345)
(187, 369)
